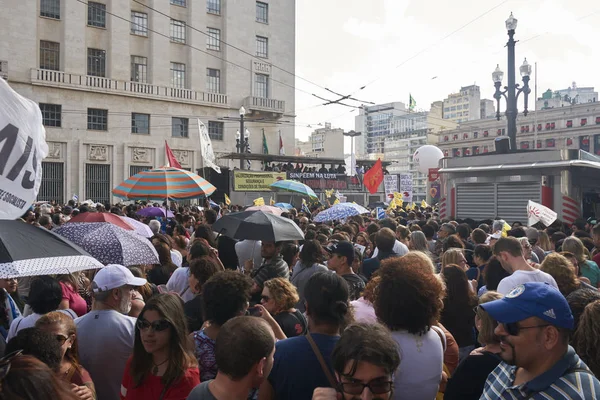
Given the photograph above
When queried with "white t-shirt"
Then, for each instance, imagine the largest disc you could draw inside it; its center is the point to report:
(178, 282)
(399, 248)
(420, 371)
(29, 322)
(519, 277)
(105, 343)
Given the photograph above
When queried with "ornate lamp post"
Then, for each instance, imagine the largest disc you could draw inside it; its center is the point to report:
(512, 91)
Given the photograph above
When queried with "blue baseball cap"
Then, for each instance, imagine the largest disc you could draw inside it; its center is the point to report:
(532, 299)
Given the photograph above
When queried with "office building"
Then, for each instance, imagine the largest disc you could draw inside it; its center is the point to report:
(115, 79)
(566, 97)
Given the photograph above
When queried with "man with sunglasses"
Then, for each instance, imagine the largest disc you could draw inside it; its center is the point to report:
(364, 361)
(534, 326)
(106, 334)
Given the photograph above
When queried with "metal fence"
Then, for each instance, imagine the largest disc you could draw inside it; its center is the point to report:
(97, 182)
(53, 178)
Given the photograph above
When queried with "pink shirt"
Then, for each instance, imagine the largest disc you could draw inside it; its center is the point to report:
(364, 311)
(76, 302)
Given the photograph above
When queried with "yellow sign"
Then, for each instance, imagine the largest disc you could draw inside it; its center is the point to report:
(255, 181)
(259, 202)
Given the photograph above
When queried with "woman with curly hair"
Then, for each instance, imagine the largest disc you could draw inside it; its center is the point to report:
(563, 273)
(279, 297)
(408, 303)
(586, 340)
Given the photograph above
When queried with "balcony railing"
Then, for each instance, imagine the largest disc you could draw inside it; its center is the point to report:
(262, 104)
(125, 88)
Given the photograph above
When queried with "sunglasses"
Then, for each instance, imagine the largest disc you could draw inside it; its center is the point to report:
(265, 298)
(513, 328)
(377, 387)
(157, 326)
(5, 363)
(61, 339)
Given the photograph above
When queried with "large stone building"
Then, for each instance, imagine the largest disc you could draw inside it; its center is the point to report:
(573, 127)
(115, 79)
(566, 97)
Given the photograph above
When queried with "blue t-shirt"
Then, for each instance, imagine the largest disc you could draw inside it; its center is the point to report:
(296, 370)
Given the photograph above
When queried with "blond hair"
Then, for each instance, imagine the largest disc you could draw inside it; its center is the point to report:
(488, 324)
(283, 292)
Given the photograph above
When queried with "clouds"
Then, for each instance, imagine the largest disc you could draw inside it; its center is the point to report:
(354, 42)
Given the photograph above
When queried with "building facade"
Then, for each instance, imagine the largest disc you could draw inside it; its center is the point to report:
(375, 124)
(566, 97)
(115, 79)
(572, 127)
(487, 109)
(464, 105)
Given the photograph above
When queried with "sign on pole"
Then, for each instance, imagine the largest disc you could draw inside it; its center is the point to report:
(390, 184)
(539, 213)
(406, 187)
(22, 148)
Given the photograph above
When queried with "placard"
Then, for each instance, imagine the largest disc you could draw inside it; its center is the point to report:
(390, 184)
(406, 187)
(539, 213)
(255, 181)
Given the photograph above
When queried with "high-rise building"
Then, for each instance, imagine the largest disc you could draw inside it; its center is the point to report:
(323, 142)
(114, 79)
(487, 109)
(464, 105)
(375, 124)
(566, 97)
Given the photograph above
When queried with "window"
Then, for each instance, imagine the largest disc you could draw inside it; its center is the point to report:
(136, 169)
(213, 40)
(49, 55)
(139, 67)
(213, 80)
(261, 86)
(213, 6)
(177, 31)
(140, 123)
(178, 75)
(262, 47)
(96, 14)
(53, 180)
(179, 127)
(96, 62)
(51, 114)
(178, 2)
(139, 23)
(215, 130)
(97, 182)
(97, 119)
(50, 8)
(262, 12)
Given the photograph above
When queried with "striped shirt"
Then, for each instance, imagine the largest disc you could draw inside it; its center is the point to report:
(568, 379)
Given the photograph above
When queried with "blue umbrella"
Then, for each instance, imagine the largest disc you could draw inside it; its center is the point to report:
(288, 185)
(110, 244)
(340, 211)
(286, 206)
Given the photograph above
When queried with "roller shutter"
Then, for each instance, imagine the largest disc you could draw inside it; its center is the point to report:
(475, 200)
(513, 198)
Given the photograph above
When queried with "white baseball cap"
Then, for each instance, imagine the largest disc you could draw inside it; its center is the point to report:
(114, 276)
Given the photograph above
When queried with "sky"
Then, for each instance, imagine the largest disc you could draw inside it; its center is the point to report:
(431, 48)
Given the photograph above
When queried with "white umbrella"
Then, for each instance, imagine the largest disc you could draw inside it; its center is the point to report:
(138, 227)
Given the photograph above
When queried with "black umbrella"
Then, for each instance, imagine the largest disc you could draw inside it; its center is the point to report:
(258, 225)
(26, 250)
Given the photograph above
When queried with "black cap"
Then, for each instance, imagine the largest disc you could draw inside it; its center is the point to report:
(343, 248)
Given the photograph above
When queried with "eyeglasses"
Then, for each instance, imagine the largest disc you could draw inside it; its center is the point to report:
(157, 326)
(5, 363)
(265, 298)
(61, 339)
(377, 387)
(513, 328)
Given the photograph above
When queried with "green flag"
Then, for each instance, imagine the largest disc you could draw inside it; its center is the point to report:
(265, 147)
(411, 102)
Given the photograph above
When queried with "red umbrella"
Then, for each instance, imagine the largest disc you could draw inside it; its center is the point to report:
(102, 217)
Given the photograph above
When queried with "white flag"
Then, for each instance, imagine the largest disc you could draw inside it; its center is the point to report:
(206, 150)
(350, 165)
(539, 213)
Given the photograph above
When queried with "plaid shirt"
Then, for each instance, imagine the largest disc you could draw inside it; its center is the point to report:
(273, 268)
(566, 380)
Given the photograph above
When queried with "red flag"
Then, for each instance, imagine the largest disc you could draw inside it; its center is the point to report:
(171, 160)
(374, 177)
(281, 149)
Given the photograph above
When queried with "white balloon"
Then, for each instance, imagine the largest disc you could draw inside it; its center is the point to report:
(426, 157)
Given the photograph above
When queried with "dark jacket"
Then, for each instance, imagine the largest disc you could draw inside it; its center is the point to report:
(370, 265)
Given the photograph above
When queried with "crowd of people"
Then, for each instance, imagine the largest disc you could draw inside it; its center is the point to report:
(404, 307)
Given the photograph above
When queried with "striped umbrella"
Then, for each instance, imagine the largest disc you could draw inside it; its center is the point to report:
(163, 183)
(294, 187)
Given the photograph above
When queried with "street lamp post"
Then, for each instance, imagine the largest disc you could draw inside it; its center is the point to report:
(512, 91)
(352, 135)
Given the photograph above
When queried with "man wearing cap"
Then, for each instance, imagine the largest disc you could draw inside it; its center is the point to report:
(534, 322)
(106, 334)
(340, 262)
(509, 252)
